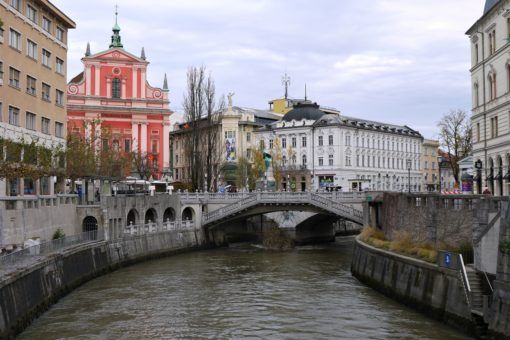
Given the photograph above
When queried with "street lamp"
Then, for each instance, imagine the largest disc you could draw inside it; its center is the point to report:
(409, 164)
(478, 167)
(205, 183)
(439, 162)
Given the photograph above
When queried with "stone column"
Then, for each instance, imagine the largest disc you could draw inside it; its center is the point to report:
(134, 136)
(166, 144)
(143, 137)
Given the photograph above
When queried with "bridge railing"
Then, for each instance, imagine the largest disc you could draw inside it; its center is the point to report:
(152, 227)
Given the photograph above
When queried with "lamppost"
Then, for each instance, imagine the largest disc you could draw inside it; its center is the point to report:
(478, 167)
(409, 164)
(205, 183)
(439, 162)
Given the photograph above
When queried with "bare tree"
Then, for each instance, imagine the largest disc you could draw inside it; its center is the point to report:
(203, 118)
(455, 136)
(144, 164)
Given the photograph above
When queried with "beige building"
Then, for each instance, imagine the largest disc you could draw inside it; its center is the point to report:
(33, 63)
(234, 140)
(430, 169)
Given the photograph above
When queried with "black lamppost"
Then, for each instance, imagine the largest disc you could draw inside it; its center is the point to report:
(439, 162)
(409, 164)
(478, 167)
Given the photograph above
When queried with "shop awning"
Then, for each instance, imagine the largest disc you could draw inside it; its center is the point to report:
(499, 176)
(490, 178)
(507, 176)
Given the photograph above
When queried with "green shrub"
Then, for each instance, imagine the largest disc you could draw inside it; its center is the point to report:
(59, 233)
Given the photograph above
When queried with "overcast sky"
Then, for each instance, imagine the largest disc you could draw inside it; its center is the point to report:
(398, 61)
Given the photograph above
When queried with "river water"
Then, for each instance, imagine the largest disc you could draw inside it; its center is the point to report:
(242, 292)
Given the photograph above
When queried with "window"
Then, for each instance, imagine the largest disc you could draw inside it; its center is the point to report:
(294, 142)
(32, 14)
(348, 140)
(59, 129)
(31, 85)
(30, 121)
(321, 161)
(248, 153)
(248, 136)
(494, 127)
(1, 112)
(105, 144)
(31, 49)
(303, 141)
(46, 24)
(284, 143)
(13, 116)
(59, 100)
(271, 144)
(45, 125)
(155, 146)
(14, 77)
(116, 88)
(330, 138)
(46, 92)
(176, 159)
(284, 160)
(477, 132)
(46, 58)
(15, 40)
(347, 160)
(16, 4)
(60, 34)
(59, 66)
(321, 140)
(1, 73)
(293, 159)
(331, 160)
(303, 160)
(127, 145)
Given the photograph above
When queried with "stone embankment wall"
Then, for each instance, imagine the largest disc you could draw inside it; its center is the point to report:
(28, 292)
(436, 291)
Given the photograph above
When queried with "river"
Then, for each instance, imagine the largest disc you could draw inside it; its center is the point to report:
(241, 292)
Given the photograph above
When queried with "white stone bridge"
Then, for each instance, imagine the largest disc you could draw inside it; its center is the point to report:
(250, 204)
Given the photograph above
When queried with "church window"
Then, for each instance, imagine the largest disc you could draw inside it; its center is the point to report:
(116, 88)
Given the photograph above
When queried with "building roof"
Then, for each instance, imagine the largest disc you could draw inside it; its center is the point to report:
(77, 79)
(304, 111)
(488, 5)
(378, 126)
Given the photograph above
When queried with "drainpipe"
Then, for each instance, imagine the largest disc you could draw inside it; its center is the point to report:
(484, 105)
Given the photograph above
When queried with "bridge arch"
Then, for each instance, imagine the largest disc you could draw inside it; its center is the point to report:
(188, 214)
(89, 224)
(132, 217)
(169, 215)
(151, 215)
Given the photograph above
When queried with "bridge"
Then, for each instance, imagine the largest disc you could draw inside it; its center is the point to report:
(265, 202)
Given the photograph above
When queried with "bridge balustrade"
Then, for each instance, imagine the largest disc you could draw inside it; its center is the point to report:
(152, 227)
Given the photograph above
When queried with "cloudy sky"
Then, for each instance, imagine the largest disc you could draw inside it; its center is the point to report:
(399, 61)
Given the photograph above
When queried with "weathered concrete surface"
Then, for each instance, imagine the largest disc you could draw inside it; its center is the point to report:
(428, 288)
(30, 291)
(499, 312)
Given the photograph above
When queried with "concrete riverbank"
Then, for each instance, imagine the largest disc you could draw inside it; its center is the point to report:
(29, 291)
(433, 290)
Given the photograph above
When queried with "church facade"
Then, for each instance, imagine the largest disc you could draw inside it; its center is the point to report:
(112, 94)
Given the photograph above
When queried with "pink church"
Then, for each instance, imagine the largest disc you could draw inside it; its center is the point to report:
(113, 93)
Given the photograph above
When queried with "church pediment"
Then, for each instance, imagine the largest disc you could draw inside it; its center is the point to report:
(116, 54)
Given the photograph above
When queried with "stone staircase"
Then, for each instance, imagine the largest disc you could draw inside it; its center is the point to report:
(478, 290)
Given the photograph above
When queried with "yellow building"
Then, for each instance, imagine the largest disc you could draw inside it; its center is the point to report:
(33, 62)
(429, 165)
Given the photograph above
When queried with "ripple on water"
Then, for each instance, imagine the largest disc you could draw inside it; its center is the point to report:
(307, 293)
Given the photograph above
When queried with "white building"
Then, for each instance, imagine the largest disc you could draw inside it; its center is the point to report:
(490, 77)
(329, 150)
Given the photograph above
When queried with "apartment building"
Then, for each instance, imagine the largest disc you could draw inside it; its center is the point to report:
(33, 63)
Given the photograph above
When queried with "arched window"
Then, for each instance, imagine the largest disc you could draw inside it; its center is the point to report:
(492, 86)
(303, 160)
(508, 77)
(116, 88)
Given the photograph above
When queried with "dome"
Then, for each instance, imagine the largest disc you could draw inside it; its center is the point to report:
(304, 111)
